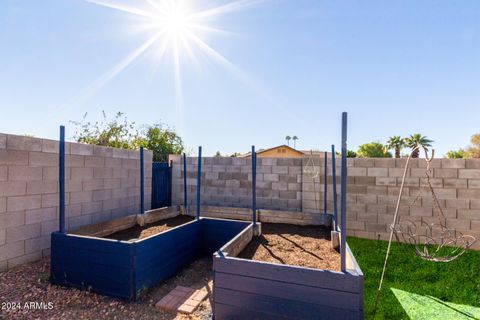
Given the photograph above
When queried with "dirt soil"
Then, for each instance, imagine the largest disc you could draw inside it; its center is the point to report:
(29, 283)
(138, 232)
(305, 246)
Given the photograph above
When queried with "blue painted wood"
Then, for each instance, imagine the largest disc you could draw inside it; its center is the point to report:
(126, 269)
(289, 291)
(343, 196)
(161, 185)
(61, 180)
(325, 184)
(334, 181)
(282, 307)
(142, 181)
(225, 311)
(101, 266)
(199, 180)
(254, 186)
(185, 197)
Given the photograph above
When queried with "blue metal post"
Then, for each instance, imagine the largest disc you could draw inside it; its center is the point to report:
(334, 181)
(254, 186)
(142, 181)
(343, 195)
(61, 179)
(325, 185)
(199, 180)
(185, 198)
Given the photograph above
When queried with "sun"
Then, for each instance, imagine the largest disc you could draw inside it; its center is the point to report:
(175, 30)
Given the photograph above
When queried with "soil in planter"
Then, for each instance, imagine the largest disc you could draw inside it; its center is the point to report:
(305, 246)
(138, 232)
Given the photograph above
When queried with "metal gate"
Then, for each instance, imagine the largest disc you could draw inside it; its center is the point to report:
(161, 185)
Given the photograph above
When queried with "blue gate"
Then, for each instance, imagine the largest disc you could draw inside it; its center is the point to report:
(161, 185)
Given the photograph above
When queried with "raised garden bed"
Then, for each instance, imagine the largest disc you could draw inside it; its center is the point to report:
(245, 288)
(126, 269)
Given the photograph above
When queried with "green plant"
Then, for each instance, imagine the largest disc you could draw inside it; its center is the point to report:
(161, 140)
(454, 154)
(396, 143)
(288, 138)
(473, 150)
(294, 138)
(351, 154)
(217, 154)
(373, 150)
(417, 140)
(121, 133)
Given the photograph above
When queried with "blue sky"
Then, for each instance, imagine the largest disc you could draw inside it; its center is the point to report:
(397, 67)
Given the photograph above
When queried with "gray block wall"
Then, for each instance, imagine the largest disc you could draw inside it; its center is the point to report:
(101, 184)
(227, 182)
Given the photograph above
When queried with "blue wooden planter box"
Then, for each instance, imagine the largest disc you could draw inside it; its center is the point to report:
(125, 269)
(246, 289)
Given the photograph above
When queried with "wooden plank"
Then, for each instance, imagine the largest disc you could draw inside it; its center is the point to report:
(111, 259)
(237, 244)
(105, 228)
(88, 243)
(290, 274)
(351, 262)
(224, 311)
(283, 307)
(155, 215)
(85, 280)
(288, 291)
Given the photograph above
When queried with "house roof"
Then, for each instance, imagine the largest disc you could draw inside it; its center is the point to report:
(260, 151)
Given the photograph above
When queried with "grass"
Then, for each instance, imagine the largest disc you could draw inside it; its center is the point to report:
(452, 285)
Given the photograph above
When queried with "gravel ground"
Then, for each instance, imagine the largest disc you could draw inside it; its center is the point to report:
(305, 246)
(29, 283)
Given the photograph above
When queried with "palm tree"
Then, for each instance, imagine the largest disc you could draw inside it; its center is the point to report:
(417, 140)
(396, 143)
(288, 138)
(294, 138)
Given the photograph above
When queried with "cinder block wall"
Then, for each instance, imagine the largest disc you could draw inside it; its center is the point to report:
(374, 185)
(372, 189)
(227, 182)
(101, 184)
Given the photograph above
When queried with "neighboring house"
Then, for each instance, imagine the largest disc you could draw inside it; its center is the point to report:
(282, 151)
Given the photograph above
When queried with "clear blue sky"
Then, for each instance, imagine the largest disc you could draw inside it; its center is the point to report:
(397, 67)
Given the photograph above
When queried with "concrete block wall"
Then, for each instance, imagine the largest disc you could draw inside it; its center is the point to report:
(101, 184)
(374, 184)
(227, 182)
(372, 190)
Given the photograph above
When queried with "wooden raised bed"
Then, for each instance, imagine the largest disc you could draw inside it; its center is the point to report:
(259, 290)
(125, 269)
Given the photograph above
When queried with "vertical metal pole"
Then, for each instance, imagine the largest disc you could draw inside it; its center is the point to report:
(142, 182)
(61, 179)
(199, 180)
(185, 197)
(254, 186)
(334, 181)
(343, 195)
(325, 185)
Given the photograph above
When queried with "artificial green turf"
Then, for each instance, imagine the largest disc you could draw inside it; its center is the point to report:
(456, 282)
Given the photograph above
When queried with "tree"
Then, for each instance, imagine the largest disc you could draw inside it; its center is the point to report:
(294, 138)
(396, 143)
(235, 155)
(454, 154)
(417, 140)
(117, 133)
(473, 150)
(351, 154)
(120, 133)
(288, 138)
(161, 140)
(217, 154)
(373, 150)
